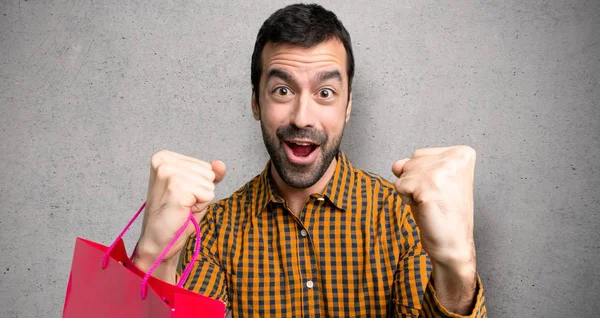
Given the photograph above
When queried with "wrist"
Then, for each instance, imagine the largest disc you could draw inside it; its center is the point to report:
(455, 274)
(146, 254)
(453, 255)
(458, 268)
(455, 286)
(460, 264)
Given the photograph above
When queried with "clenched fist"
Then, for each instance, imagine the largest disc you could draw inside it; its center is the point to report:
(177, 184)
(437, 183)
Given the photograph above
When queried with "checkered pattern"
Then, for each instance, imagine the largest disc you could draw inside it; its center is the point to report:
(353, 250)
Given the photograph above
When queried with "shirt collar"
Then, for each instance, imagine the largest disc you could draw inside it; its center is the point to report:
(336, 191)
(339, 187)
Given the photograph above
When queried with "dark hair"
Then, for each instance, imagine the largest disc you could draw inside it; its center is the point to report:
(305, 25)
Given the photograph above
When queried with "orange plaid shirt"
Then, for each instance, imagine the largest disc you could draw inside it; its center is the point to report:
(353, 250)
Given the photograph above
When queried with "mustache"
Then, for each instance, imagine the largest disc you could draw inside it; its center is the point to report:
(293, 132)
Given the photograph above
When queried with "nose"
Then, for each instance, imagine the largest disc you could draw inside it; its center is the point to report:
(303, 115)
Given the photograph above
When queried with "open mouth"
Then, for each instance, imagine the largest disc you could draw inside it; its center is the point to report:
(301, 151)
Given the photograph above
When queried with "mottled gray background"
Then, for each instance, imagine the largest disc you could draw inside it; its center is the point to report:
(90, 89)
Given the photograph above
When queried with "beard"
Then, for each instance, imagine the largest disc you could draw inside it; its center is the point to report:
(294, 175)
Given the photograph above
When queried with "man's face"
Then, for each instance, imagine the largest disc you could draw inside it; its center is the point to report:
(303, 106)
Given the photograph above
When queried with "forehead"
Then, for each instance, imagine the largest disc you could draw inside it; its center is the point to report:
(326, 55)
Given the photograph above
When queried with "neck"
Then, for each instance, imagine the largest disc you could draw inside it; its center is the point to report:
(294, 197)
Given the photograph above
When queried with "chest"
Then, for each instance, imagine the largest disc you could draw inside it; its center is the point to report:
(323, 259)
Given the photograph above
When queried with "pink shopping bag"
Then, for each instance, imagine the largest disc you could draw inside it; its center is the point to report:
(105, 283)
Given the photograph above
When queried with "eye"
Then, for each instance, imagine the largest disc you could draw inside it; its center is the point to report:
(282, 91)
(326, 93)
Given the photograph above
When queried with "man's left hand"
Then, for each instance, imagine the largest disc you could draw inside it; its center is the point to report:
(437, 183)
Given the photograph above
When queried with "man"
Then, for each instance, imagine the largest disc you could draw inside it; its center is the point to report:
(312, 235)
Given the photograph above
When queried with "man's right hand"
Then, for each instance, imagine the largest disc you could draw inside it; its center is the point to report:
(177, 183)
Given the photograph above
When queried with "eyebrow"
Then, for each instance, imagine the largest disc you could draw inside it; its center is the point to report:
(322, 76)
(281, 74)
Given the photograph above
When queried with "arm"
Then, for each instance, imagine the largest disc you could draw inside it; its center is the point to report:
(165, 271)
(207, 276)
(414, 293)
(454, 288)
(178, 185)
(432, 306)
(437, 183)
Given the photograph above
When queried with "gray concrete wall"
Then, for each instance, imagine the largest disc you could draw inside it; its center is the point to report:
(90, 89)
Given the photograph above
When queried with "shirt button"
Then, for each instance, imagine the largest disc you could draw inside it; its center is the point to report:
(303, 233)
(310, 284)
(320, 199)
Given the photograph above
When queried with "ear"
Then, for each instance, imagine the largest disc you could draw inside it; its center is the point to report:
(255, 107)
(349, 107)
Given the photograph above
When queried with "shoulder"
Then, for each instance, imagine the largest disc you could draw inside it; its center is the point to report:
(386, 203)
(380, 190)
(237, 202)
(373, 182)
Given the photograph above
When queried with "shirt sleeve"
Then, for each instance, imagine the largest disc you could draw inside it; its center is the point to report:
(432, 308)
(412, 293)
(207, 276)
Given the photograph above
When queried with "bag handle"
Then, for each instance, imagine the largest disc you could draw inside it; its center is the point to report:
(188, 268)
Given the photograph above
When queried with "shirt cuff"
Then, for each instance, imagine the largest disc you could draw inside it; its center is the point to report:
(433, 308)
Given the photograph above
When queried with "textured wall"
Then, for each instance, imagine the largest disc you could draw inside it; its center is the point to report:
(90, 89)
